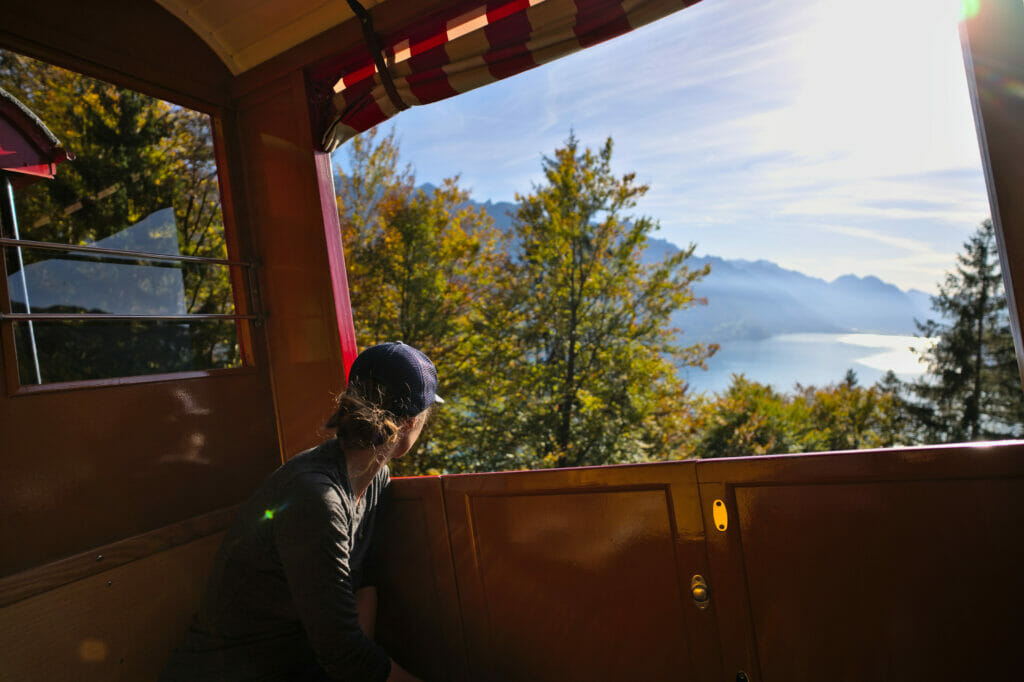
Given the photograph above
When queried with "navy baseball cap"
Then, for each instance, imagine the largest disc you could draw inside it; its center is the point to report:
(405, 377)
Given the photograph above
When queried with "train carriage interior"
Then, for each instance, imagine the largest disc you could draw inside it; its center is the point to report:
(122, 473)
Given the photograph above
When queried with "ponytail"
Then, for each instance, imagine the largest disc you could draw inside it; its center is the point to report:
(361, 424)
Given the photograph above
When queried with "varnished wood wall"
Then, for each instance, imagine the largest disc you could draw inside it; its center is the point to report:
(105, 461)
(101, 462)
(899, 564)
(850, 566)
(994, 53)
(295, 283)
(120, 624)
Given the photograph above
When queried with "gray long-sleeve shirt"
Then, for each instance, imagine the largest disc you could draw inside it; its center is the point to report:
(281, 596)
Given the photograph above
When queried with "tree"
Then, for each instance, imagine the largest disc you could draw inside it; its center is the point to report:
(972, 390)
(423, 267)
(750, 418)
(896, 425)
(848, 416)
(553, 343)
(746, 419)
(135, 155)
(587, 361)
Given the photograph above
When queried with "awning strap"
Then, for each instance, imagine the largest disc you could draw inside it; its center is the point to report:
(373, 43)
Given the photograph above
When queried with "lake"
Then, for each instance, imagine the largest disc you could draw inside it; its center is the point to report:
(811, 359)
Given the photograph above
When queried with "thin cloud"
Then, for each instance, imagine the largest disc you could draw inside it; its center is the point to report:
(911, 245)
(755, 124)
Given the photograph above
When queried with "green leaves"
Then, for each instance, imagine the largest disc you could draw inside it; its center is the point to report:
(553, 343)
(424, 268)
(554, 346)
(594, 321)
(750, 418)
(135, 155)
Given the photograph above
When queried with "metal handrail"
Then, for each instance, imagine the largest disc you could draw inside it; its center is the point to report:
(105, 317)
(135, 255)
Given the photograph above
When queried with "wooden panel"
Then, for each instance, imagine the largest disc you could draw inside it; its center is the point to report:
(899, 564)
(245, 34)
(418, 619)
(728, 586)
(287, 226)
(88, 467)
(136, 44)
(119, 625)
(335, 41)
(23, 585)
(117, 458)
(581, 574)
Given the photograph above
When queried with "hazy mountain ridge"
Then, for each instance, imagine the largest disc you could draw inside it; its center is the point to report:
(759, 299)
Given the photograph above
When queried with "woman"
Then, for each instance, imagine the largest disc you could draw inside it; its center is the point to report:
(291, 596)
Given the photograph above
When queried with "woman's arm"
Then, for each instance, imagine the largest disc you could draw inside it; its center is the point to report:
(311, 534)
(400, 674)
(366, 604)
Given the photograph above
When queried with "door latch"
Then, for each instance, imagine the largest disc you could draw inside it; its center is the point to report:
(701, 593)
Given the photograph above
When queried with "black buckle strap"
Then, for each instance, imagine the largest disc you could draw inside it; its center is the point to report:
(373, 43)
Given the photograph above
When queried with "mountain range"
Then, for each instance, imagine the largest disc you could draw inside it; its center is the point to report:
(751, 300)
(759, 299)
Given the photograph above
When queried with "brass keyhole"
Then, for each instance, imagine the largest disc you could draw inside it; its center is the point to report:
(701, 593)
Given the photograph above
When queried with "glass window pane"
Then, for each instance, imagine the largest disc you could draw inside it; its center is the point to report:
(77, 350)
(87, 283)
(135, 157)
(143, 179)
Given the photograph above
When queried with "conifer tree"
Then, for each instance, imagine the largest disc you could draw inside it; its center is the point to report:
(896, 426)
(972, 390)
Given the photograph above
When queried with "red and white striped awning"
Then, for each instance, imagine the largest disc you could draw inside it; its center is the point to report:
(462, 47)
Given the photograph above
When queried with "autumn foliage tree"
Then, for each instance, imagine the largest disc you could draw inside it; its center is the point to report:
(553, 342)
(588, 369)
(750, 418)
(134, 155)
(423, 268)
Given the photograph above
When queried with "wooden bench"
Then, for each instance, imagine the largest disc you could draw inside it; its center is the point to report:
(120, 623)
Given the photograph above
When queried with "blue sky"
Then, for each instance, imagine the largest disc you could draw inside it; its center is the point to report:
(829, 136)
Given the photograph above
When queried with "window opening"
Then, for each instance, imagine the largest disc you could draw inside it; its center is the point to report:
(823, 158)
(116, 265)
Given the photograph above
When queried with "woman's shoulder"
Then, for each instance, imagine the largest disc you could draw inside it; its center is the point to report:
(320, 462)
(313, 475)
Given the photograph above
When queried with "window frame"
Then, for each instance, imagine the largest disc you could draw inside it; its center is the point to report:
(242, 274)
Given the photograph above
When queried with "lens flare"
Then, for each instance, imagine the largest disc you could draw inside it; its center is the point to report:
(1015, 87)
(969, 8)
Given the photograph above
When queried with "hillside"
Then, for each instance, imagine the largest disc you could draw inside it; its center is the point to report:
(758, 299)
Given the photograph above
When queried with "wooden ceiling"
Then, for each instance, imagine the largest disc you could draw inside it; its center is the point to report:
(246, 33)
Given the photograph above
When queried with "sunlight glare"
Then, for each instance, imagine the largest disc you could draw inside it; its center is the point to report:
(900, 353)
(869, 76)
